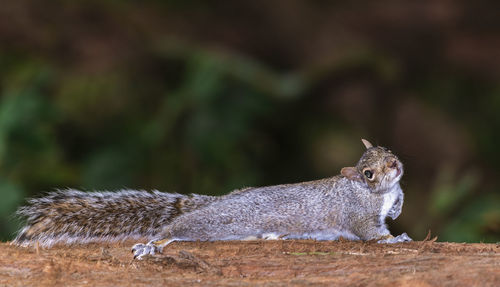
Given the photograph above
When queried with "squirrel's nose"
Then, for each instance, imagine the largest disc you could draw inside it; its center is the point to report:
(392, 163)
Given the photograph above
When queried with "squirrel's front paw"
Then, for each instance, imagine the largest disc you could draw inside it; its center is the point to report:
(403, 237)
(140, 250)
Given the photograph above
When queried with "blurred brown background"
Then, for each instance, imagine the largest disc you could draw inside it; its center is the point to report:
(207, 96)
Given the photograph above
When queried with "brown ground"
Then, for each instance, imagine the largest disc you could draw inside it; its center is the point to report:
(273, 263)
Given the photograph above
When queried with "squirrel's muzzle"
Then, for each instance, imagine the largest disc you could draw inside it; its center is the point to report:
(392, 163)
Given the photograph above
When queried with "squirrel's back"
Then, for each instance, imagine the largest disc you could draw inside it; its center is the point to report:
(74, 216)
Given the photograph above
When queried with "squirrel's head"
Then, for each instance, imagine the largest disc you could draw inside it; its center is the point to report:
(379, 168)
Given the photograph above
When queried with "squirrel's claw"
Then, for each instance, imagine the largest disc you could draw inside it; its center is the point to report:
(403, 237)
(140, 250)
(151, 248)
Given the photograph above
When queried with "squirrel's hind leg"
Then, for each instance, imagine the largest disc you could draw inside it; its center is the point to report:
(151, 248)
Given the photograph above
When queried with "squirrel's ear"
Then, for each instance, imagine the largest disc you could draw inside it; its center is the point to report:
(350, 173)
(367, 143)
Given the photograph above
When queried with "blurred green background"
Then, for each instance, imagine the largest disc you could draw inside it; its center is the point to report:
(208, 96)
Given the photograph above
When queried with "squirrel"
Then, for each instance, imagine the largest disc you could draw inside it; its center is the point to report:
(352, 205)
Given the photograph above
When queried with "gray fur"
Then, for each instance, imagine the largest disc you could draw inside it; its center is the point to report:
(352, 205)
(326, 208)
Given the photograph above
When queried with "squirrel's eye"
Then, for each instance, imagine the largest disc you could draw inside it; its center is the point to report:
(368, 174)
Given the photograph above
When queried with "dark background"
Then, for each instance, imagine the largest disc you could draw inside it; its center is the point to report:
(207, 96)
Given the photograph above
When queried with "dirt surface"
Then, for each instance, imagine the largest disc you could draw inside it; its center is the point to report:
(273, 263)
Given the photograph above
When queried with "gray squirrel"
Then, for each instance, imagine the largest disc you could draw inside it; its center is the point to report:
(352, 205)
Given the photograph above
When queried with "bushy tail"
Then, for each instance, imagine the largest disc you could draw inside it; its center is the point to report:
(72, 216)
